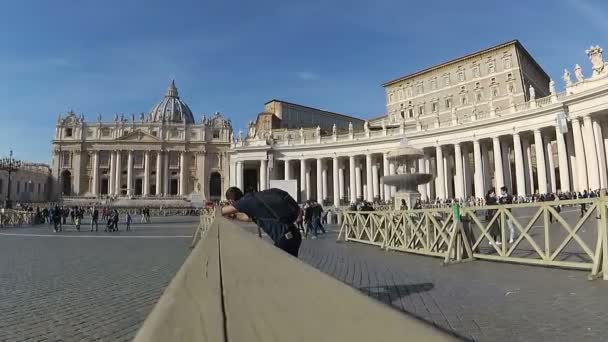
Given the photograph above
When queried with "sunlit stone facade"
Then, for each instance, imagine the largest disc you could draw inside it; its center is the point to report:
(489, 119)
(163, 153)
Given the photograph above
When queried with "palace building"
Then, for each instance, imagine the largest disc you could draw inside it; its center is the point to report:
(487, 119)
(160, 154)
(491, 118)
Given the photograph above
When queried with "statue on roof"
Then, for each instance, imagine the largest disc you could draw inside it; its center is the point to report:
(116, 117)
(141, 117)
(532, 93)
(366, 126)
(99, 117)
(566, 77)
(578, 73)
(318, 130)
(301, 133)
(334, 129)
(596, 57)
(350, 127)
(551, 87)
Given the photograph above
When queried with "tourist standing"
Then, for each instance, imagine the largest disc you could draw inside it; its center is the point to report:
(505, 198)
(128, 220)
(94, 219)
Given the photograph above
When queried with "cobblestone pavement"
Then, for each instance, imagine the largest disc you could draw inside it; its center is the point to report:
(83, 286)
(481, 301)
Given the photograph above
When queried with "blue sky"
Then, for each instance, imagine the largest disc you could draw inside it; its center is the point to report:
(232, 56)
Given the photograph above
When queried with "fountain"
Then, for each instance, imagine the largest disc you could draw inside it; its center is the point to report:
(406, 182)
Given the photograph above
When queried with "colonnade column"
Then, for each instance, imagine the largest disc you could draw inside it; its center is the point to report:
(166, 174)
(368, 175)
(386, 189)
(479, 185)
(579, 151)
(95, 183)
(499, 178)
(340, 181)
(358, 181)
(303, 197)
(520, 178)
(572, 162)
(130, 173)
(550, 165)
(352, 179)
(541, 172)
(319, 195)
(287, 170)
(323, 181)
(391, 171)
(159, 172)
(182, 173)
(506, 166)
(263, 174)
(308, 184)
(562, 160)
(440, 183)
(375, 181)
(146, 185)
(591, 154)
(467, 174)
(601, 154)
(527, 149)
(335, 181)
(239, 175)
(458, 178)
(421, 187)
(118, 173)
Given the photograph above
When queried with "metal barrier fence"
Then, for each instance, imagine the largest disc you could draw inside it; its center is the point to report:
(544, 233)
(16, 218)
(206, 219)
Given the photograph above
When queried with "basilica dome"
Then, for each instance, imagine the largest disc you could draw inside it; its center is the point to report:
(171, 108)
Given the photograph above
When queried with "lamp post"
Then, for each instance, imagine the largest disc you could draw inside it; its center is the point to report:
(9, 165)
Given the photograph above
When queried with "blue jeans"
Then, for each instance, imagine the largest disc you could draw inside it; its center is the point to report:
(316, 225)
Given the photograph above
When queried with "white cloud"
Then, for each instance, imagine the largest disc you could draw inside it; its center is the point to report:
(307, 75)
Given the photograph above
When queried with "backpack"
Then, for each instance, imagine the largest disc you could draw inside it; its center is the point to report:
(282, 206)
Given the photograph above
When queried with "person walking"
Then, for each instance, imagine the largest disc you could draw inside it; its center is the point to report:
(494, 230)
(56, 217)
(128, 221)
(94, 219)
(273, 210)
(506, 198)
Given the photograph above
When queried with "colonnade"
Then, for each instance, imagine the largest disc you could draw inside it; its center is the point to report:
(531, 161)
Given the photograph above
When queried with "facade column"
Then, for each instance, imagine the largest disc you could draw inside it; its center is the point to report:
(303, 197)
(166, 173)
(579, 151)
(458, 178)
(520, 178)
(358, 181)
(421, 187)
(541, 171)
(111, 174)
(487, 179)
(182, 174)
(95, 183)
(429, 185)
(479, 185)
(287, 169)
(159, 172)
(601, 153)
(440, 183)
(369, 178)
(562, 159)
(118, 173)
(351, 179)
(341, 183)
(550, 165)
(571, 162)
(591, 154)
(375, 181)
(146, 187)
(336, 180)
(529, 173)
(130, 173)
(239, 175)
(263, 174)
(499, 179)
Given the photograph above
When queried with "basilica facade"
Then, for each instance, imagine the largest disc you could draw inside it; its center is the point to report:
(162, 154)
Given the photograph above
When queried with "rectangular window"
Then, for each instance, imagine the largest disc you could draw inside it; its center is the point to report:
(65, 159)
(68, 132)
(105, 132)
(434, 107)
(410, 113)
(420, 110)
(448, 103)
(216, 134)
